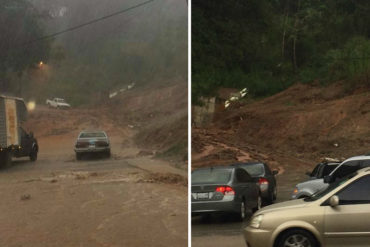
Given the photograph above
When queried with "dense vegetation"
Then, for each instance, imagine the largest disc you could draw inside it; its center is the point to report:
(20, 24)
(266, 45)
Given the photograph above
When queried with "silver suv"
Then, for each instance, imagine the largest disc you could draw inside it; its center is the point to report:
(345, 168)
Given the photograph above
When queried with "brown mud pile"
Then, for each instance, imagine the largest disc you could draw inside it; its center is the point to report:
(300, 125)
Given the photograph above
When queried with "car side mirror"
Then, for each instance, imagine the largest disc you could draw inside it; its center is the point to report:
(334, 201)
(328, 179)
(275, 172)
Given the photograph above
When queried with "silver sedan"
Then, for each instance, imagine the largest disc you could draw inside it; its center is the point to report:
(92, 142)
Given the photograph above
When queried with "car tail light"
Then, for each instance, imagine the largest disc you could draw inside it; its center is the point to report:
(263, 181)
(82, 144)
(226, 190)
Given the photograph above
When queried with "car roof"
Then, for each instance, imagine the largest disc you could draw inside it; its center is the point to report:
(360, 157)
(92, 131)
(332, 163)
(354, 158)
(215, 168)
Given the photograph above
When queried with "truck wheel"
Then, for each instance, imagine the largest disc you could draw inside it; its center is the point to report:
(33, 155)
(5, 159)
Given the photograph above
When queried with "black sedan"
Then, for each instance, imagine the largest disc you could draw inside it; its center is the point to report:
(265, 178)
(223, 190)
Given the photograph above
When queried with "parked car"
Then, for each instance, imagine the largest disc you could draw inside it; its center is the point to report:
(58, 103)
(92, 142)
(314, 183)
(343, 169)
(265, 178)
(223, 190)
(335, 217)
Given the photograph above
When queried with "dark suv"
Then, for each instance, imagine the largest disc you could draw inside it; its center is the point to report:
(264, 177)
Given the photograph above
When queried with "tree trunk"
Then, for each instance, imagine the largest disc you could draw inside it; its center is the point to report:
(295, 38)
(284, 30)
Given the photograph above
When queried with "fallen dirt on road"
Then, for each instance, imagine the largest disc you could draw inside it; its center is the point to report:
(130, 199)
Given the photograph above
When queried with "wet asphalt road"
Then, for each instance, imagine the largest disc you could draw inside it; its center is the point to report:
(223, 230)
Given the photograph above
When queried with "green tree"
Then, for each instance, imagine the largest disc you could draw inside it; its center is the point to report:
(20, 26)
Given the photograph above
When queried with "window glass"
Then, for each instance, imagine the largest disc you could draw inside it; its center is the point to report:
(356, 193)
(254, 169)
(328, 169)
(347, 168)
(92, 134)
(365, 163)
(211, 176)
(314, 173)
(267, 170)
(243, 176)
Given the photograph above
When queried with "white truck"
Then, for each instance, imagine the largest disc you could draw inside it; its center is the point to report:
(58, 103)
(14, 141)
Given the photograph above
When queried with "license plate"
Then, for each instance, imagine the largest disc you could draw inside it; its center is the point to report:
(202, 196)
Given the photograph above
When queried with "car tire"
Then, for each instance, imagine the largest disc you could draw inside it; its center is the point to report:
(297, 237)
(33, 155)
(243, 211)
(259, 204)
(274, 195)
(5, 159)
(78, 156)
(108, 154)
(269, 200)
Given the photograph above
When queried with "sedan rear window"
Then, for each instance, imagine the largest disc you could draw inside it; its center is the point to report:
(211, 176)
(254, 170)
(92, 135)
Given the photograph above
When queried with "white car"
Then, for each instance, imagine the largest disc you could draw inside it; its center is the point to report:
(57, 103)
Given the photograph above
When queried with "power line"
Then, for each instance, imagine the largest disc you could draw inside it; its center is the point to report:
(87, 23)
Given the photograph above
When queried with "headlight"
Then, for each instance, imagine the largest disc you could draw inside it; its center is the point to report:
(256, 221)
(295, 191)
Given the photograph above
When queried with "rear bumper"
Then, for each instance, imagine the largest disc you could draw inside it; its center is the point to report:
(215, 206)
(92, 150)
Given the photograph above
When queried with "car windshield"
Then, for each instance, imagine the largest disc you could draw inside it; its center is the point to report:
(254, 169)
(92, 135)
(328, 189)
(211, 176)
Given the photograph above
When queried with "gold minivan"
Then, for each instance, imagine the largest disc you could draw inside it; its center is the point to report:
(336, 217)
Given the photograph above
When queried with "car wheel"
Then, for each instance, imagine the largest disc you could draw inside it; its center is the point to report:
(108, 154)
(33, 155)
(243, 211)
(5, 159)
(78, 156)
(299, 238)
(259, 204)
(274, 196)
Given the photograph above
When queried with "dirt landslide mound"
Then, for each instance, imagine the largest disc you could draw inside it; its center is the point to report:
(305, 122)
(166, 178)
